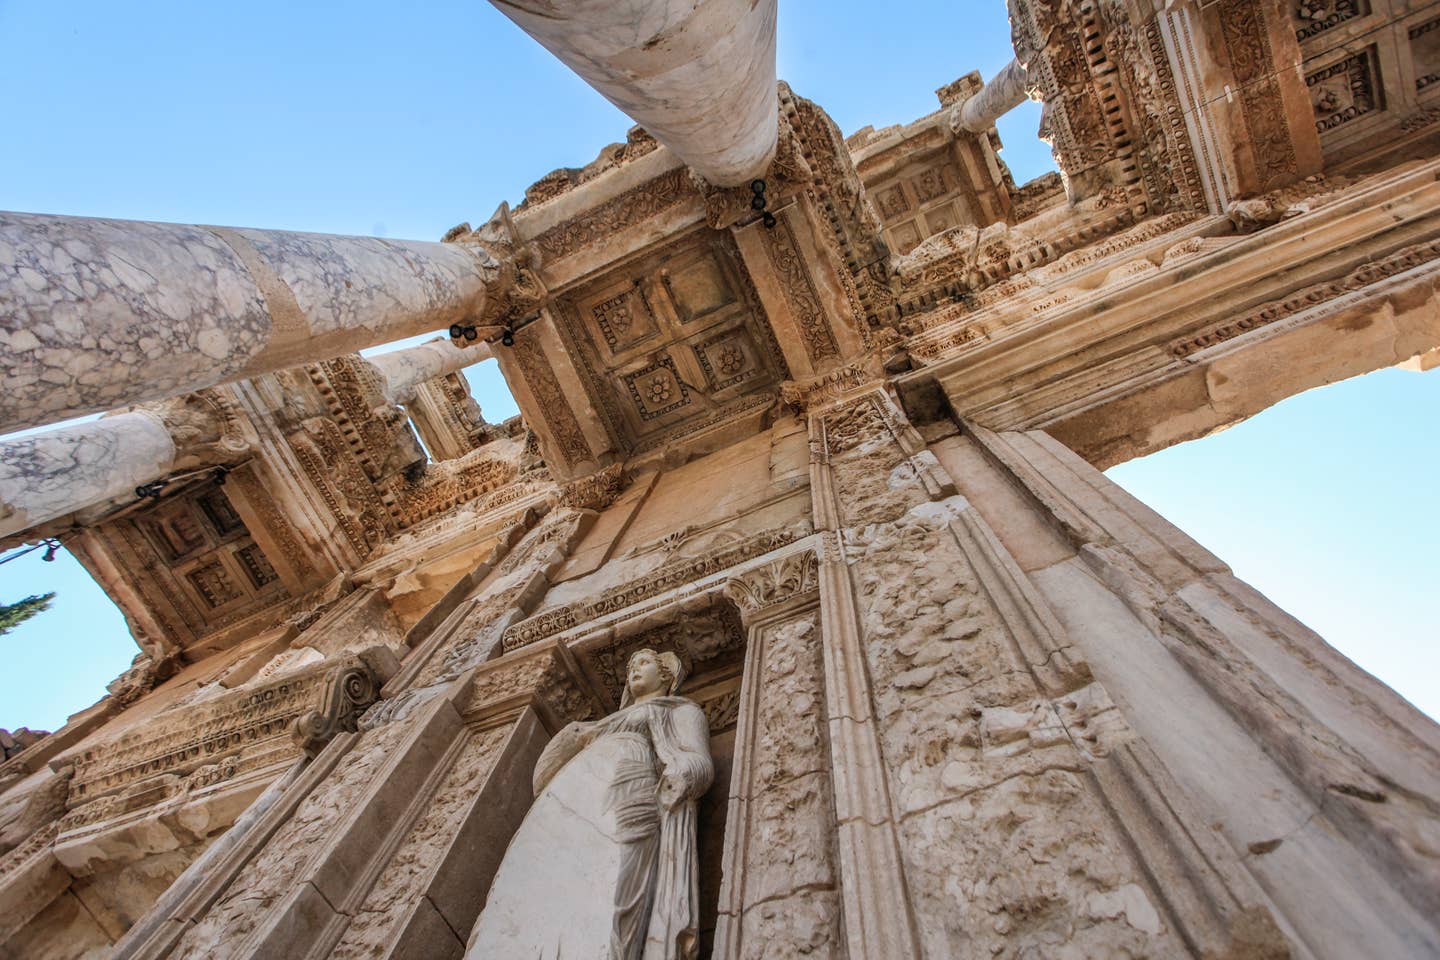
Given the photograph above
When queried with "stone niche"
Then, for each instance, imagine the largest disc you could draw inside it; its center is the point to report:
(672, 341)
(713, 643)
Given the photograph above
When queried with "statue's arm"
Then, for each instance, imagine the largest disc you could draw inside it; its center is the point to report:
(688, 766)
(572, 738)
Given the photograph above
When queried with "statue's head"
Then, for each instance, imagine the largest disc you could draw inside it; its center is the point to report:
(651, 674)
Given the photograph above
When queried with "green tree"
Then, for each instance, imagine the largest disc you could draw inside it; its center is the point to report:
(14, 614)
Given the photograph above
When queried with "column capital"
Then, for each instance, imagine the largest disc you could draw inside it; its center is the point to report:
(206, 426)
(775, 589)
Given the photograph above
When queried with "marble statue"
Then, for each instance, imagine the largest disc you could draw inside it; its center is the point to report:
(604, 865)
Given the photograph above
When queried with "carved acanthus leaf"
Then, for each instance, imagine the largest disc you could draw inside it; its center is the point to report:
(597, 491)
(770, 585)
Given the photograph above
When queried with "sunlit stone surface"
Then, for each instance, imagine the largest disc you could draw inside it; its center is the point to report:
(933, 686)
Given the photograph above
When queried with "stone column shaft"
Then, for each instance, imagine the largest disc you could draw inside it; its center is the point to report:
(1004, 92)
(698, 76)
(404, 370)
(97, 314)
(49, 474)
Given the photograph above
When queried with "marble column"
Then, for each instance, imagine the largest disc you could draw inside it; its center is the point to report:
(404, 370)
(698, 76)
(1004, 92)
(97, 314)
(51, 473)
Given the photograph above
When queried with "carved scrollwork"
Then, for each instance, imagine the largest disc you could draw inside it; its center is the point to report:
(351, 688)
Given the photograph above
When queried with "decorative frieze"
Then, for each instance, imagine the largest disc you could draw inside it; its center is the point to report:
(638, 204)
(1308, 298)
(1247, 43)
(551, 399)
(249, 720)
(805, 306)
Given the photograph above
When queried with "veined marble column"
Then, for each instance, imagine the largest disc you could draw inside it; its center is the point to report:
(97, 314)
(1004, 92)
(404, 370)
(698, 76)
(54, 472)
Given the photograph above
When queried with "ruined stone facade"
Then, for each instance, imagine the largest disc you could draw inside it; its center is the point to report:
(836, 443)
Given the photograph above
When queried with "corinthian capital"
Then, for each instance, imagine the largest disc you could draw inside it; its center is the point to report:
(206, 427)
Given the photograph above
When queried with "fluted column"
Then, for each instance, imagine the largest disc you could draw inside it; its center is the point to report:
(404, 370)
(55, 472)
(98, 314)
(1004, 92)
(698, 76)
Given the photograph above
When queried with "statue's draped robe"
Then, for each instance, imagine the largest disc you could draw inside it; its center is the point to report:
(656, 755)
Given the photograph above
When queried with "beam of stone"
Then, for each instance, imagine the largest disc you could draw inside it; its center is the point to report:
(978, 112)
(404, 370)
(98, 314)
(51, 473)
(698, 76)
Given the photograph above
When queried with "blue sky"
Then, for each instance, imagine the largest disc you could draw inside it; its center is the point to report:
(403, 120)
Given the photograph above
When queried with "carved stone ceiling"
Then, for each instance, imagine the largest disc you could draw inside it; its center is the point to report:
(672, 342)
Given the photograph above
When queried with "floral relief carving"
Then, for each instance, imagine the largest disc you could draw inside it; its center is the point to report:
(779, 581)
(559, 415)
(1247, 42)
(632, 207)
(805, 306)
(657, 389)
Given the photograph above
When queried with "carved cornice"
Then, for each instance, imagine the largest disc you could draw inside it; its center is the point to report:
(449, 483)
(249, 721)
(1307, 298)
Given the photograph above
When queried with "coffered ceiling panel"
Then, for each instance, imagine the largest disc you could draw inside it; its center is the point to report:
(672, 342)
